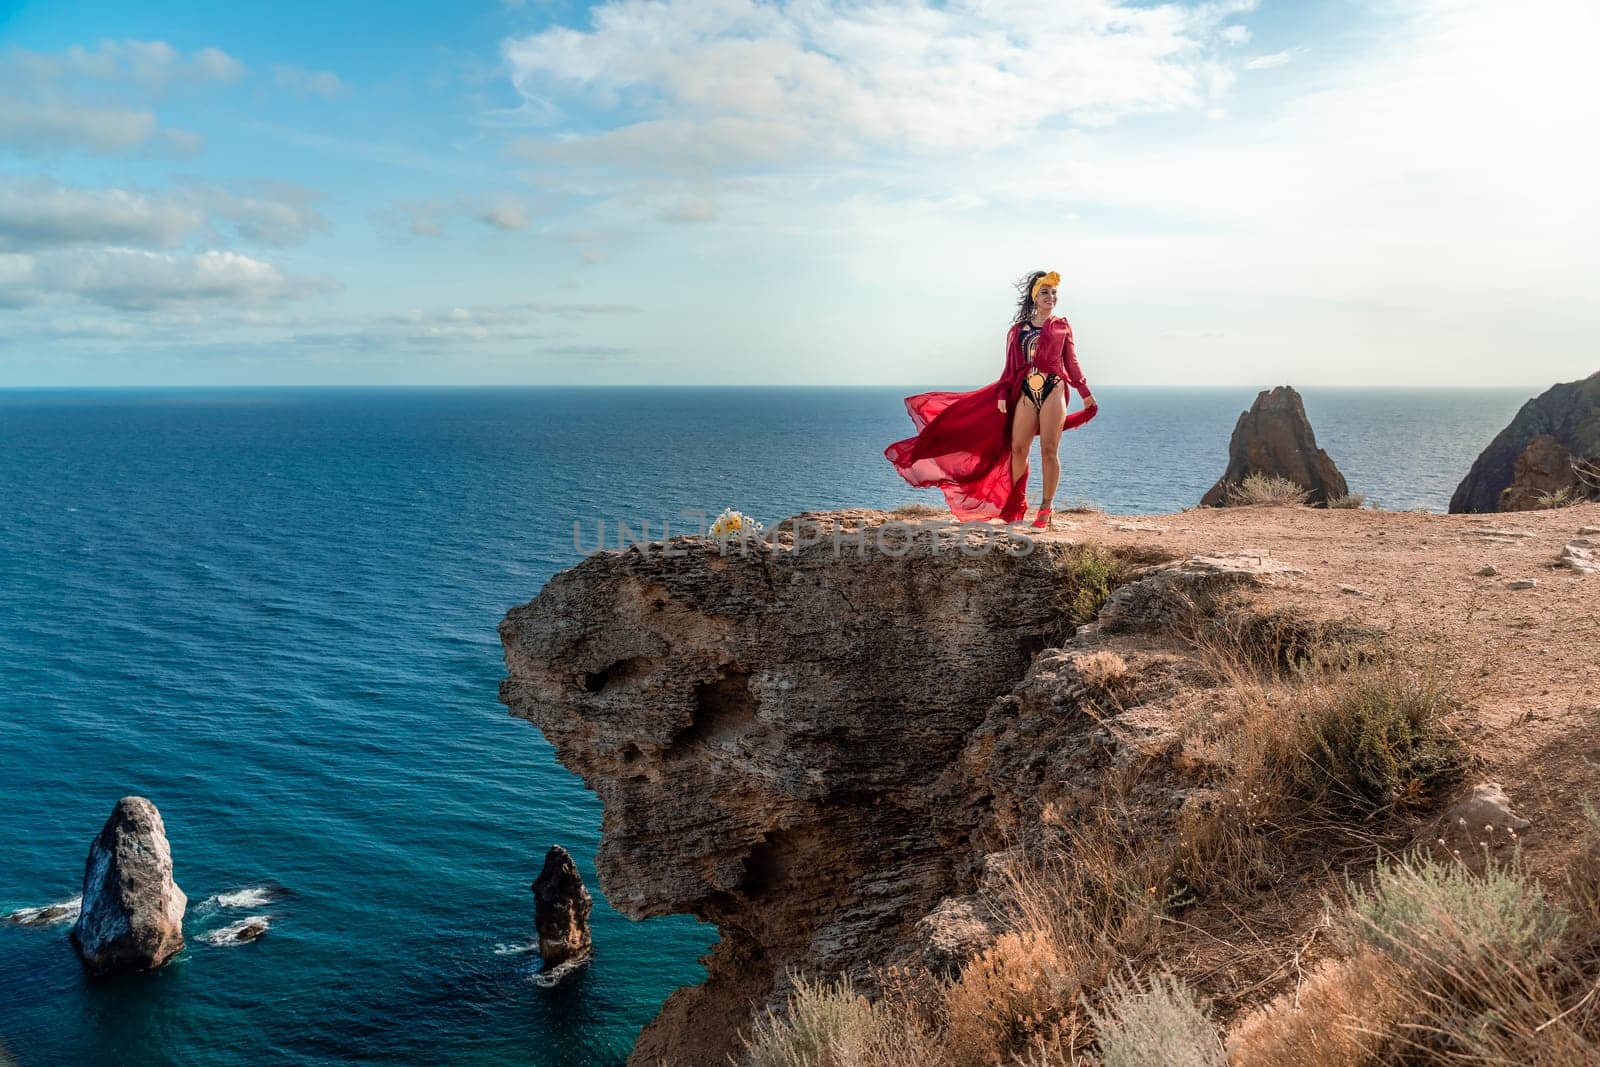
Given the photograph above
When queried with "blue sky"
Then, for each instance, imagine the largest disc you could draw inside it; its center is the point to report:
(818, 192)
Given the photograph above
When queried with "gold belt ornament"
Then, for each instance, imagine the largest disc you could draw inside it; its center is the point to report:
(1035, 382)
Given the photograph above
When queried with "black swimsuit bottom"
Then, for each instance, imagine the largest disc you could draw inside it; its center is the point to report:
(1037, 385)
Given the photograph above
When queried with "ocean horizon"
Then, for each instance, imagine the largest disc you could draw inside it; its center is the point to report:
(273, 611)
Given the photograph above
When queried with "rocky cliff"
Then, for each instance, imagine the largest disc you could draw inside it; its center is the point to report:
(816, 744)
(830, 745)
(1532, 456)
(764, 729)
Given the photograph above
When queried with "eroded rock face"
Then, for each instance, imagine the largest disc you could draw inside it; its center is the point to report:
(764, 729)
(561, 910)
(1543, 469)
(1532, 455)
(132, 913)
(831, 754)
(1275, 438)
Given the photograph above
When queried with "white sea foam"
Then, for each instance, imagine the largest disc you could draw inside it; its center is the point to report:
(251, 896)
(49, 915)
(554, 975)
(513, 950)
(240, 933)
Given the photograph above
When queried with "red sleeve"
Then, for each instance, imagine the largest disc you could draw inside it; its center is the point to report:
(1069, 359)
(1013, 354)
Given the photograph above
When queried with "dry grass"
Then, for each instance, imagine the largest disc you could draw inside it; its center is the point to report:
(1480, 958)
(829, 1024)
(1567, 497)
(1445, 966)
(1270, 490)
(1340, 1017)
(1106, 672)
(1076, 912)
(1319, 737)
(1348, 500)
(1319, 745)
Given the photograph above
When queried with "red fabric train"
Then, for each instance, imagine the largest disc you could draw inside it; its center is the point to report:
(963, 441)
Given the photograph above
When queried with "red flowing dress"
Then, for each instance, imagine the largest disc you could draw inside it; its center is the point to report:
(963, 441)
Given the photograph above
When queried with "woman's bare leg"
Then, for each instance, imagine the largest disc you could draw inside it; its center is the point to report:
(1024, 424)
(1052, 418)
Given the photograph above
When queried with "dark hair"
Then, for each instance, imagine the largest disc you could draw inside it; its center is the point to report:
(1025, 298)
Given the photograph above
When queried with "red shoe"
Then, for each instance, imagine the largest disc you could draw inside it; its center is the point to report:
(1042, 519)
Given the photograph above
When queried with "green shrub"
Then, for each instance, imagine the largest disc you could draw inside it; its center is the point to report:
(1161, 1022)
(1373, 741)
(1441, 920)
(1092, 573)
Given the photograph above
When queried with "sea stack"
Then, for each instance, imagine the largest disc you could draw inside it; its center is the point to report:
(561, 910)
(132, 917)
(1274, 438)
(1531, 461)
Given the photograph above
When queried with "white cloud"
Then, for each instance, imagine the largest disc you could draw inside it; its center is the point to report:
(40, 214)
(274, 213)
(521, 328)
(1420, 213)
(1267, 62)
(505, 214)
(150, 65)
(427, 218)
(132, 279)
(41, 127)
(720, 83)
(79, 98)
(301, 82)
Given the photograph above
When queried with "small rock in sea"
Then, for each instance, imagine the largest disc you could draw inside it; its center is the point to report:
(1488, 570)
(561, 910)
(132, 917)
(242, 932)
(1522, 583)
(48, 915)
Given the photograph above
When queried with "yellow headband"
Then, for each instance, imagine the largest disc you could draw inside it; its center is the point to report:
(1049, 279)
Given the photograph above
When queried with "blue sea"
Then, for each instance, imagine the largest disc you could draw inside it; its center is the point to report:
(273, 613)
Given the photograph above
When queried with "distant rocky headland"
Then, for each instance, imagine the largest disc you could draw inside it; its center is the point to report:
(952, 787)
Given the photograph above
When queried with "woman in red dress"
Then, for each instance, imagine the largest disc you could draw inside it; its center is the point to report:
(974, 446)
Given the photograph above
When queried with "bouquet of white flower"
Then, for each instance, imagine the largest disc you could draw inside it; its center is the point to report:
(733, 527)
